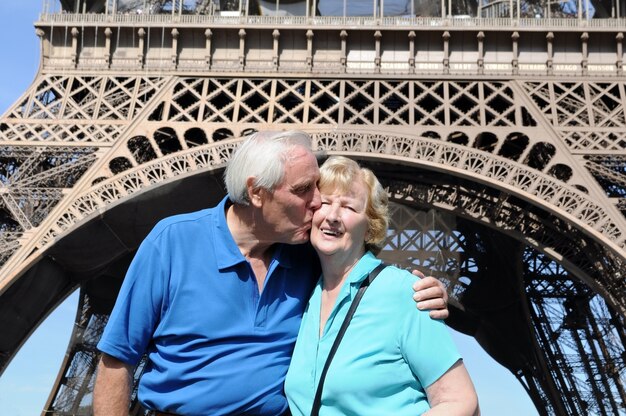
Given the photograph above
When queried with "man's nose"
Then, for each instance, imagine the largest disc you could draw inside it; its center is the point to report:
(316, 202)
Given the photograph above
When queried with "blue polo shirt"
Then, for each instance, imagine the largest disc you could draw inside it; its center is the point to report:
(390, 352)
(191, 302)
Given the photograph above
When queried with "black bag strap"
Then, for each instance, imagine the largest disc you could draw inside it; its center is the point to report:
(317, 402)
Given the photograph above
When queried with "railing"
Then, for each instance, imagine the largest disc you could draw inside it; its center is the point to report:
(332, 21)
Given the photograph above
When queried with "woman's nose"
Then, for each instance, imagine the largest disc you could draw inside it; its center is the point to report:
(332, 214)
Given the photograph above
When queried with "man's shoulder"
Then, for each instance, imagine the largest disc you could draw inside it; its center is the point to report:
(182, 222)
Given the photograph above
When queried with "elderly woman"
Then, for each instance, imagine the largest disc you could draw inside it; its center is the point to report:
(392, 359)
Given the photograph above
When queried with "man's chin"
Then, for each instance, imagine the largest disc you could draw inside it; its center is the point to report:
(301, 238)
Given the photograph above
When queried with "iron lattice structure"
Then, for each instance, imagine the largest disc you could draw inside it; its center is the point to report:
(501, 141)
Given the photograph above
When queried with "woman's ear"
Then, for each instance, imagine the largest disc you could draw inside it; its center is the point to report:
(368, 233)
(255, 193)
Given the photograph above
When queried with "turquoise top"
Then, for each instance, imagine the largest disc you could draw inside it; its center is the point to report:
(389, 354)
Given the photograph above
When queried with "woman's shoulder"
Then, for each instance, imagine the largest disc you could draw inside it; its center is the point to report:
(392, 292)
(399, 275)
(395, 279)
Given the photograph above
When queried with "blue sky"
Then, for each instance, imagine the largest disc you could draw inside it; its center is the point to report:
(25, 385)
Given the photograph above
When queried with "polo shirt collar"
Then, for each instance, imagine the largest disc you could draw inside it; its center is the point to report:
(283, 255)
(361, 270)
(227, 253)
(350, 286)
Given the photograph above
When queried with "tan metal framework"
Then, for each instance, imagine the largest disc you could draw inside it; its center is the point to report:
(501, 141)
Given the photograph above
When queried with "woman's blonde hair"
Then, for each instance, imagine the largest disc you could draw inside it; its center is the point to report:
(338, 173)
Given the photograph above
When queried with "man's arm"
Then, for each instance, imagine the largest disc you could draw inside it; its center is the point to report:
(111, 393)
(430, 294)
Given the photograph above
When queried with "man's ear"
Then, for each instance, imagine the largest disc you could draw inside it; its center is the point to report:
(255, 193)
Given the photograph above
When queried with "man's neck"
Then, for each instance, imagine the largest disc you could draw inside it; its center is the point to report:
(245, 231)
(244, 228)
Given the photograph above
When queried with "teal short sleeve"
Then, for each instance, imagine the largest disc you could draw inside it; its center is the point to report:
(427, 347)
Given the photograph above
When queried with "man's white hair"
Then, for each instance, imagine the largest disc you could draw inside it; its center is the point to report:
(262, 155)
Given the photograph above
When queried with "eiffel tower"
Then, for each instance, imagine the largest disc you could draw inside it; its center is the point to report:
(498, 129)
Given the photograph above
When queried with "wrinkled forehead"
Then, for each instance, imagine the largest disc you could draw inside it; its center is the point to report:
(300, 167)
(296, 151)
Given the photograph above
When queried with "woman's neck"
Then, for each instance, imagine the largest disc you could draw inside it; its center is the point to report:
(335, 270)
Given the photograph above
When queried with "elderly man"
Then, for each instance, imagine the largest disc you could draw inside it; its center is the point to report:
(215, 297)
